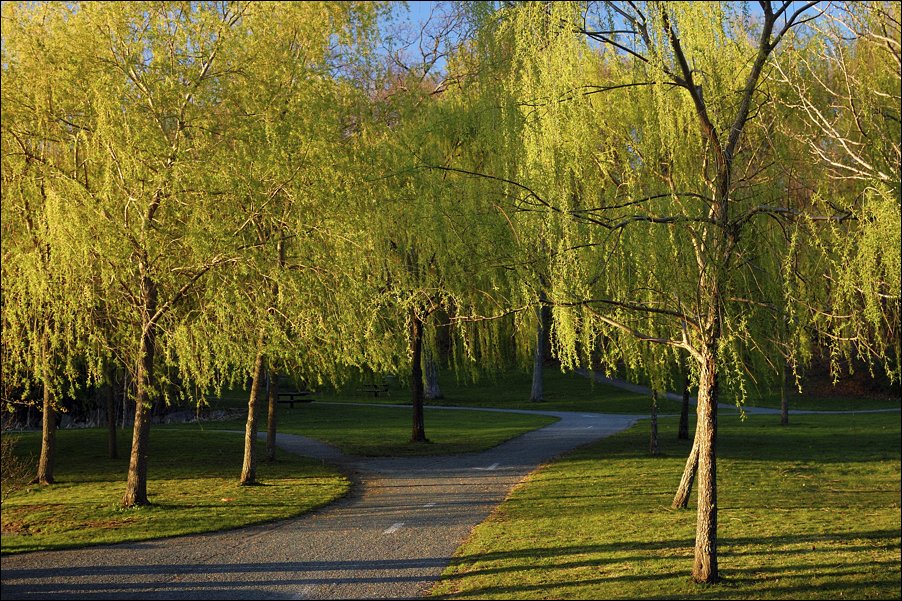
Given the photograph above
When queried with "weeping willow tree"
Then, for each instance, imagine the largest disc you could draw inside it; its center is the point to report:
(278, 309)
(435, 249)
(46, 308)
(148, 207)
(635, 140)
(841, 95)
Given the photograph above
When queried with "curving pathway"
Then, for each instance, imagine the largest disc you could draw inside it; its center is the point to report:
(391, 538)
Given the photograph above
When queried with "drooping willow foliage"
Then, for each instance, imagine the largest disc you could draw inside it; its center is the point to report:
(188, 186)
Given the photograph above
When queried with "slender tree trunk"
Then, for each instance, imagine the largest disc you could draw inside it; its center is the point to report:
(683, 433)
(537, 394)
(705, 567)
(433, 392)
(684, 490)
(136, 485)
(784, 399)
(111, 446)
(653, 442)
(272, 398)
(416, 377)
(48, 437)
(249, 468)
(272, 394)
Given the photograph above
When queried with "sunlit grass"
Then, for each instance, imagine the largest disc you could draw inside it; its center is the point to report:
(193, 487)
(806, 511)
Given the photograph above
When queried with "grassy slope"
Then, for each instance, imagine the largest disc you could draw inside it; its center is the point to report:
(508, 390)
(810, 402)
(385, 431)
(808, 511)
(564, 392)
(193, 488)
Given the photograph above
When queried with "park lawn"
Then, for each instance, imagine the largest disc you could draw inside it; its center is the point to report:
(506, 390)
(563, 392)
(810, 402)
(811, 510)
(381, 431)
(192, 486)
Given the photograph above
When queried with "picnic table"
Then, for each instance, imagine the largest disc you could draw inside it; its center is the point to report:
(375, 388)
(296, 396)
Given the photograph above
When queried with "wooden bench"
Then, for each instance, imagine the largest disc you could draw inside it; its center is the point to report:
(296, 396)
(375, 389)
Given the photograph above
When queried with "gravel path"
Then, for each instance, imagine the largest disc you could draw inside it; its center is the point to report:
(391, 538)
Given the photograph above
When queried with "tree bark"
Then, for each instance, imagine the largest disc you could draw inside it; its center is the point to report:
(111, 446)
(416, 377)
(653, 442)
(684, 490)
(537, 394)
(433, 391)
(249, 468)
(272, 398)
(784, 399)
(705, 566)
(48, 437)
(683, 433)
(136, 485)
(272, 390)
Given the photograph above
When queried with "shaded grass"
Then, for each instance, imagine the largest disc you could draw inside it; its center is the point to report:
(563, 392)
(385, 431)
(193, 487)
(810, 402)
(506, 390)
(805, 511)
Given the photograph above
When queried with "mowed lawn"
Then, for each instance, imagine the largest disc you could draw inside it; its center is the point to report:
(192, 485)
(194, 468)
(380, 431)
(511, 390)
(806, 511)
(566, 391)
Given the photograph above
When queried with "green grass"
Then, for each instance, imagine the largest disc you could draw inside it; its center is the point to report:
(385, 431)
(508, 390)
(809, 402)
(193, 487)
(563, 392)
(811, 510)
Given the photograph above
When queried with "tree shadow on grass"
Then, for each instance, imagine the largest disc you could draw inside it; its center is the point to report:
(832, 573)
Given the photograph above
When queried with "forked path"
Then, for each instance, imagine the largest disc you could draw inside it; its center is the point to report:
(391, 538)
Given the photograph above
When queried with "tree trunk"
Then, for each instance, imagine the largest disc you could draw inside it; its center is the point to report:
(684, 490)
(683, 433)
(111, 447)
(48, 437)
(653, 442)
(784, 399)
(136, 485)
(272, 398)
(537, 395)
(272, 390)
(433, 392)
(249, 468)
(705, 567)
(416, 378)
